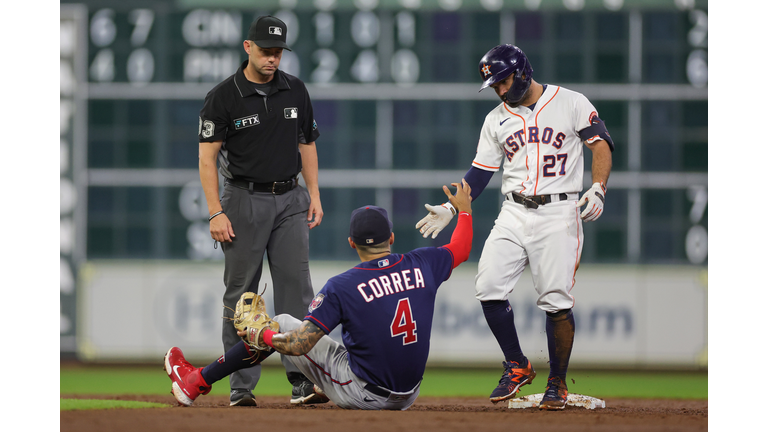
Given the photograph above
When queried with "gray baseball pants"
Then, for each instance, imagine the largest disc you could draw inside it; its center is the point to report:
(275, 224)
(327, 365)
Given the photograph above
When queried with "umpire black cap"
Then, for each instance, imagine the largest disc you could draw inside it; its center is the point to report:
(268, 32)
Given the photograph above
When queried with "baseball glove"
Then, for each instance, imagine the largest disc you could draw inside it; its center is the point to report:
(251, 317)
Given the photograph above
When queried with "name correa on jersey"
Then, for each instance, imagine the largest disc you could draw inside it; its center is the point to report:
(392, 283)
(385, 312)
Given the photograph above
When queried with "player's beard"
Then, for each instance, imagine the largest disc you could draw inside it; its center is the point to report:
(518, 102)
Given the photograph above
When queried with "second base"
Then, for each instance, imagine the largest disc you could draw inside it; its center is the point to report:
(532, 401)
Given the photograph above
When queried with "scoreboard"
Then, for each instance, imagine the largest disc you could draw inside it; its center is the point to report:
(394, 84)
(366, 43)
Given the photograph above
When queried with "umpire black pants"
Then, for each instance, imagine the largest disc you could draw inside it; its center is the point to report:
(275, 224)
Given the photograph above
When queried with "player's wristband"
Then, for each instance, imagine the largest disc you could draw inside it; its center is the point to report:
(602, 186)
(450, 207)
(267, 336)
(214, 215)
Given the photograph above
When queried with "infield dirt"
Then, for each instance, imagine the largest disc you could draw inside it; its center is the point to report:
(428, 414)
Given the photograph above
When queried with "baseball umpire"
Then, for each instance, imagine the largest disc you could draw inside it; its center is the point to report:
(259, 125)
(536, 134)
(384, 306)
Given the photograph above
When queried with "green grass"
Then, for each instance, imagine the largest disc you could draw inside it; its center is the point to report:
(662, 385)
(102, 380)
(90, 404)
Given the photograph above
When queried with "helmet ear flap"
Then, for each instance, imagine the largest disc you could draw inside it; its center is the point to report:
(519, 87)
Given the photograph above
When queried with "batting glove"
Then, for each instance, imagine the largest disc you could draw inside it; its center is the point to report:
(594, 198)
(438, 218)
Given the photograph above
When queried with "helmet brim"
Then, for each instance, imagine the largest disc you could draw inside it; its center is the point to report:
(499, 76)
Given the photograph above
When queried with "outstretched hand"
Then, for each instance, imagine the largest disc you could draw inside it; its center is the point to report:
(440, 215)
(462, 200)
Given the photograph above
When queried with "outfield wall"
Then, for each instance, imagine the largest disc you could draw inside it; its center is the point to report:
(626, 316)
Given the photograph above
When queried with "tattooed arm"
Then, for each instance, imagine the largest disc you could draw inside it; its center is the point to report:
(295, 342)
(298, 341)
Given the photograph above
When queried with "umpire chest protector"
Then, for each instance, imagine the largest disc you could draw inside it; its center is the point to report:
(261, 126)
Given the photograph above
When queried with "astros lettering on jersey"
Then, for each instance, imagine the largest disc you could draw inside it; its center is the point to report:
(540, 149)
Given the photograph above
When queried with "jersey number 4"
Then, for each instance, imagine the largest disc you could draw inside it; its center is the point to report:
(403, 323)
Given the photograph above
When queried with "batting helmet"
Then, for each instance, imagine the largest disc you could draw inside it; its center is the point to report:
(502, 61)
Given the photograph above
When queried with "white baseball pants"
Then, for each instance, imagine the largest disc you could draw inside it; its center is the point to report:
(548, 238)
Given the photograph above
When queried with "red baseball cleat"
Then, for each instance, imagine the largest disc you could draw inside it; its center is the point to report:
(186, 381)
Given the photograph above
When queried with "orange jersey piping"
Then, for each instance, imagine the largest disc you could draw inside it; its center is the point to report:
(526, 151)
(485, 166)
(538, 158)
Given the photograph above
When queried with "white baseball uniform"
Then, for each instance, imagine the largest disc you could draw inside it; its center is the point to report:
(541, 153)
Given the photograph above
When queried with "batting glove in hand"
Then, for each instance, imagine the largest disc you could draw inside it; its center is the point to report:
(594, 198)
(438, 218)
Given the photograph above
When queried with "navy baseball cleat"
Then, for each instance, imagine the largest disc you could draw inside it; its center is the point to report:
(241, 397)
(186, 381)
(511, 380)
(556, 394)
(305, 392)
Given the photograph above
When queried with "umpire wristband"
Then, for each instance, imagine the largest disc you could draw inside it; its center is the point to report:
(214, 215)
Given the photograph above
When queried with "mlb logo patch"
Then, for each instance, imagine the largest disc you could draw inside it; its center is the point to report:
(291, 113)
(383, 263)
(275, 31)
(316, 302)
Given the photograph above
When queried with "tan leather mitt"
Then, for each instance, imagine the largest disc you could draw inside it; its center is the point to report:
(251, 316)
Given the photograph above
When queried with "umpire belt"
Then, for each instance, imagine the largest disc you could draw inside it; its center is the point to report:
(275, 188)
(535, 201)
(390, 395)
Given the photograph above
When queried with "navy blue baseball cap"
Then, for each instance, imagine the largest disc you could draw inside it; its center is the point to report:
(370, 225)
(269, 32)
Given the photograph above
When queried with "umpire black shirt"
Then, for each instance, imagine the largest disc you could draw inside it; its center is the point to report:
(261, 131)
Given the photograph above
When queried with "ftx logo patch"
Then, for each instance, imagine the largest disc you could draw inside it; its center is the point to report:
(245, 122)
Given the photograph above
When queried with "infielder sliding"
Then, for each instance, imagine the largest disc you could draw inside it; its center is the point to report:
(536, 135)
